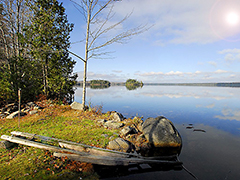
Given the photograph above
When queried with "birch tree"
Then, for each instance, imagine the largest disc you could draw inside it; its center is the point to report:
(98, 15)
(14, 15)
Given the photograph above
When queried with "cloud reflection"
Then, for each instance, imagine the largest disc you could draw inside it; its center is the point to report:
(229, 114)
(187, 91)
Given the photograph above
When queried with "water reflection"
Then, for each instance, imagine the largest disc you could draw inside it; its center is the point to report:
(209, 154)
(214, 106)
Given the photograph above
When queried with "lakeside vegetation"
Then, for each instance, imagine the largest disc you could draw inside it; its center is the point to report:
(34, 56)
(58, 121)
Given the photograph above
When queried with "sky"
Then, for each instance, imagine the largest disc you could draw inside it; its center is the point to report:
(188, 41)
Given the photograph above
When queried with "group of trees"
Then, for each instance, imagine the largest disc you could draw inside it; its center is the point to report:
(132, 84)
(34, 56)
(34, 42)
(99, 84)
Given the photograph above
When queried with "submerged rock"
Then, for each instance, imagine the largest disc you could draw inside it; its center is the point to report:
(161, 133)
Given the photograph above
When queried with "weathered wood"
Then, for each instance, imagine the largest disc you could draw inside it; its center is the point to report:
(86, 148)
(111, 161)
(49, 139)
(91, 151)
(40, 145)
(89, 155)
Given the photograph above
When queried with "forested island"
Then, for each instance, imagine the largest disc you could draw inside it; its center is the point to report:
(100, 84)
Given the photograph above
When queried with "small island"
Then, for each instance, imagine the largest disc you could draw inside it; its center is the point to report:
(132, 84)
(99, 84)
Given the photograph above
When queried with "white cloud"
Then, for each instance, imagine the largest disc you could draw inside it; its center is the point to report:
(178, 73)
(231, 55)
(235, 51)
(191, 77)
(182, 21)
(219, 71)
(213, 63)
(110, 77)
(117, 71)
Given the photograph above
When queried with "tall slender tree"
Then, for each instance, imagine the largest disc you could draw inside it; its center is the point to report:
(97, 15)
(48, 38)
(14, 14)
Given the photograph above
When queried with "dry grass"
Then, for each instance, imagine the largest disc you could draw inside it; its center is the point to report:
(57, 121)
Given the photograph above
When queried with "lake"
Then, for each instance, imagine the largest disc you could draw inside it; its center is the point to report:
(213, 154)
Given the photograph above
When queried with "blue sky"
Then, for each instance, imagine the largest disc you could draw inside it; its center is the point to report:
(189, 41)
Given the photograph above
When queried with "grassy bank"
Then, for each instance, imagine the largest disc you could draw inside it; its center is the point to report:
(61, 122)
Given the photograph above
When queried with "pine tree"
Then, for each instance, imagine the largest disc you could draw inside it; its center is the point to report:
(48, 37)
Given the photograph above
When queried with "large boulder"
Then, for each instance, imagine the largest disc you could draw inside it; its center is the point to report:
(161, 133)
(77, 106)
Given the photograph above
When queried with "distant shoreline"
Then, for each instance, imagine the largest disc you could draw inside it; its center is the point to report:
(233, 84)
(230, 84)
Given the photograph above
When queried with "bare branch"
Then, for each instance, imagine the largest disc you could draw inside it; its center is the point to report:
(100, 9)
(82, 9)
(76, 55)
(120, 38)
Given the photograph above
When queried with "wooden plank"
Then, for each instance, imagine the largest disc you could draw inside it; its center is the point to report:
(87, 148)
(112, 161)
(91, 151)
(40, 145)
(49, 139)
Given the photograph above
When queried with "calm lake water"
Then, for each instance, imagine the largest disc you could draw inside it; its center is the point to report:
(210, 155)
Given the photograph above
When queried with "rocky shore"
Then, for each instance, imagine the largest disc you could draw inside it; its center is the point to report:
(152, 137)
(10, 111)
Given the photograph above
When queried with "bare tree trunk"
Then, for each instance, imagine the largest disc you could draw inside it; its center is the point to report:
(44, 80)
(86, 54)
(93, 14)
(84, 84)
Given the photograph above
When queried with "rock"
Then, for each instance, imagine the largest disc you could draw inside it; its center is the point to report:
(113, 125)
(127, 130)
(7, 145)
(33, 112)
(115, 116)
(101, 121)
(139, 126)
(2, 116)
(77, 106)
(104, 135)
(120, 144)
(160, 132)
(15, 114)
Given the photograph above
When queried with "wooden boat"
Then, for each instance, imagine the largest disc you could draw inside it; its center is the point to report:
(85, 153)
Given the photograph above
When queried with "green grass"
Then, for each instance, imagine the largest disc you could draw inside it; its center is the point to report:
(61, 122)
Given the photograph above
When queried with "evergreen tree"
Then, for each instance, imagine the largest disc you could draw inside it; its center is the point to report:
(48, 37)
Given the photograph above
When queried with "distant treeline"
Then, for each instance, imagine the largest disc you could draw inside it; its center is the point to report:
(232, 84)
